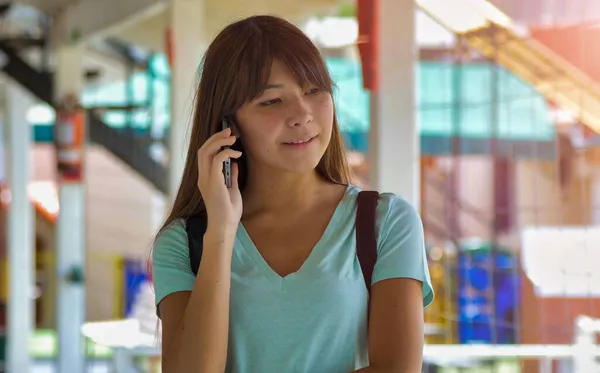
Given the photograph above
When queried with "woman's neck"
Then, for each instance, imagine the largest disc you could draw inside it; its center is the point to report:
(281, 193)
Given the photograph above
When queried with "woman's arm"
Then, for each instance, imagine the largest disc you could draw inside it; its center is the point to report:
(396, 327)
(400, 291)
(195, 324)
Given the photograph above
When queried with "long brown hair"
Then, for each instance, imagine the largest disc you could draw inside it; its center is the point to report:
(235, 69)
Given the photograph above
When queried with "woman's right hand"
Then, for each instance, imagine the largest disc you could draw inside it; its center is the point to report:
(223, 205)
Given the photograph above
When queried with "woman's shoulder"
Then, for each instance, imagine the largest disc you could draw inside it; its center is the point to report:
(171, 238)
(390, 206)
(393, 212)
(171, 261)
(175, 228)
(394, 204)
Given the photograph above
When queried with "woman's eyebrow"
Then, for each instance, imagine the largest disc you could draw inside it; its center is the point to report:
(274, 86)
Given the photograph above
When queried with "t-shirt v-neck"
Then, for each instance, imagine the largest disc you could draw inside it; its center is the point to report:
(314, 256)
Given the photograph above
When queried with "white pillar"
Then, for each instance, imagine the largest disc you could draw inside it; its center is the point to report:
(158, 211)
(595, 218)
(21, 241)
(188, 41)
(394, 143)
(70, 234)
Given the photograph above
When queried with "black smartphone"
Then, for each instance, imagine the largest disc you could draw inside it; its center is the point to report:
(227, 163)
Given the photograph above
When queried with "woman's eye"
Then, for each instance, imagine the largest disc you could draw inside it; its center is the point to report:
(270, 102)
(313, 91)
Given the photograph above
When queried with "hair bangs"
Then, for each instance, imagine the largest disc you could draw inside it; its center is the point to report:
(305, 63)
(253, 70)
(261, 47)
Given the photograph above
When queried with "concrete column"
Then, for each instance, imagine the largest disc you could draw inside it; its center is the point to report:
(394, 143)
(21, 237)
(188, 45)
(158, 212)
(70, 246)
(595, 200)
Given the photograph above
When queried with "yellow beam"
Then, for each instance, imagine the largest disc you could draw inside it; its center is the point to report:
(489, 31)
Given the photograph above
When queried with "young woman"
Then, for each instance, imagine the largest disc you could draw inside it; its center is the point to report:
(279, 287)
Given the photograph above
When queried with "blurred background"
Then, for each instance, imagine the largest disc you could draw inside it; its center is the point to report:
(484, 114)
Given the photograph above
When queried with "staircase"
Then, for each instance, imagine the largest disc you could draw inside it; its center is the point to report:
(129, 147)
(490, 32)
(37, 82)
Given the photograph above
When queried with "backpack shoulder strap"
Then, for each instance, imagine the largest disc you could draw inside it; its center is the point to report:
(366, 233)
(195, 227)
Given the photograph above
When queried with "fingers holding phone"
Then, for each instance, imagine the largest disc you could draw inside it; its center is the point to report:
(212, 146)
(223, 203)
(227, 162)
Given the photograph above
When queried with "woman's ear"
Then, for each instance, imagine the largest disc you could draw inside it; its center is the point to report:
(235, 131)
(235, 128)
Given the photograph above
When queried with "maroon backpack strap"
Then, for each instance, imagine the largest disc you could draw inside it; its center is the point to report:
(366, 234)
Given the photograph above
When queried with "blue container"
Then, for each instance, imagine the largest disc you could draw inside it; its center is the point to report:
(488, 296)
(135, 273)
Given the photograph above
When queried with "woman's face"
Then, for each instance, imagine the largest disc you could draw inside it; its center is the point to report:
(288, 127)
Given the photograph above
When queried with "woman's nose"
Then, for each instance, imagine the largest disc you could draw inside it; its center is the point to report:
(301, 113)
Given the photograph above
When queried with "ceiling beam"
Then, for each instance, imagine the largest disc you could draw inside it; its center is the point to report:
(91, 19)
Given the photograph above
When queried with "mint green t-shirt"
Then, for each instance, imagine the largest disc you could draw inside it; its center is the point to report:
(313, 320)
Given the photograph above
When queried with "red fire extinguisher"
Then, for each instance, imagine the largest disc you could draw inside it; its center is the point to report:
(69, 140)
